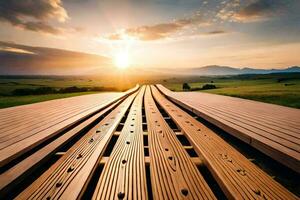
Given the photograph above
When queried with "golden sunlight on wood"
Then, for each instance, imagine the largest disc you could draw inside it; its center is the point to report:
(122, 60)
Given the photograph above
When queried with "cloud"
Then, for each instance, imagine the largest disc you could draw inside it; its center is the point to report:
(216, 32)
(33, 15)
(157, 31)
(22, 59)
(261, 9)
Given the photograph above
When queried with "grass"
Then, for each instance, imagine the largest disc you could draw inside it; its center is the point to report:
(9, 83)
(9, 101)
(264, 88)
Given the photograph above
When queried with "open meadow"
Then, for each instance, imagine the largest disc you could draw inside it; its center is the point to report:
(281, 89)
(20, 90)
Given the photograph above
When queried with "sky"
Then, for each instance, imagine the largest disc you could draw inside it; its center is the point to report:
(87, 36)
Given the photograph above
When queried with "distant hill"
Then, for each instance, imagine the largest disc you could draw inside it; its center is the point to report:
(225, 70)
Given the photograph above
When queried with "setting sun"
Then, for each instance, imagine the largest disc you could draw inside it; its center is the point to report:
(122, 60)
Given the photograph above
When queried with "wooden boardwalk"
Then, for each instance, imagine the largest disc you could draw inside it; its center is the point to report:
(24, 127)
(272, 129)
(132, 145)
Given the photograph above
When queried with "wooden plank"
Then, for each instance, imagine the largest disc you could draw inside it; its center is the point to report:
(263, 111)
(237, 176)
(18, 148)
(27, 113)
(250, 119)
(286, 156)
(124, 175)
(12, 136)
(11, 177)
(17, 133)
(281, 146)
(33, 114)
(261, 121)
(283, 139)
(69, 176)
(173, 173)
(23, 112)
(248, 109)
(274, 149)
(51, 110)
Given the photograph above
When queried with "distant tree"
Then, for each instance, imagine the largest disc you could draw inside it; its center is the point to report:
(211, 81)
(185, 86)
(44, 90)
(23, 91)
(34, 91)
(208, 86)
(73, 89)
(103, 89)
(50, 90)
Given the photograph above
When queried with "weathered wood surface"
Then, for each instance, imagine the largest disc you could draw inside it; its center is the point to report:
(272, 129)
(24, 127)
(67, 177)
(124, 175)
(173, 173)
(238, 177)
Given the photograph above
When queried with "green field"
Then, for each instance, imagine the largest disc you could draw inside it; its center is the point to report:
(281, 89)
(9, 84)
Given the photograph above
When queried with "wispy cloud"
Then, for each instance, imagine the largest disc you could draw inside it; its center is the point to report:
(261, 10)
(33, 15)
(225, 11)
(158, 31)
(216, 32)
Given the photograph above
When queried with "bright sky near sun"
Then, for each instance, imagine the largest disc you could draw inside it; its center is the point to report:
(151, 33)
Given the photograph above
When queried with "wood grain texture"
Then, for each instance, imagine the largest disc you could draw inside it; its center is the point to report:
(173, 173)
(124, 176)
(237, 176)
(69, 176)
(31, 124)
(272, 129)
(19, 171)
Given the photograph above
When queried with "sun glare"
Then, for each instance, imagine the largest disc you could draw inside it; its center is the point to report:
(122, 60)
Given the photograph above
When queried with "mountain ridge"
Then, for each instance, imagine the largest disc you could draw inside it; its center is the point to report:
(226, 70)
